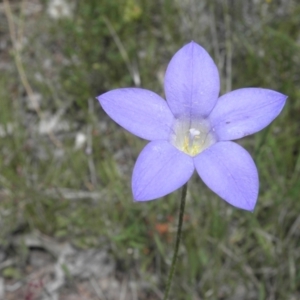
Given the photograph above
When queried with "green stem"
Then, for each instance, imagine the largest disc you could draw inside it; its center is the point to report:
(178, 237)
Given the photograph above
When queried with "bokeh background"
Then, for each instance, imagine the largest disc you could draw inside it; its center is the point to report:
(69, 227)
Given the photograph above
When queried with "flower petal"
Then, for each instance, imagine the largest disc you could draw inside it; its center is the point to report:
(192, 82)
(140, 111)
(245, 111)
(229, 171)
(159, 170)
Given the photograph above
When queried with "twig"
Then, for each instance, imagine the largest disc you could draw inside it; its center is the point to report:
(20, 68)
(131, 68)
(214, 34)
(20, 29)
(123, 290)
(97, 289)
(228, 45)
(71, 194)
(133, 288)
(91, 163)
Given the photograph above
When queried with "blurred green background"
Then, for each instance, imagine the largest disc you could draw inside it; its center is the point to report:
(65, 167)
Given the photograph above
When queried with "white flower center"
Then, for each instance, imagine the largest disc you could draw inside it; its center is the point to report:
(192, 137)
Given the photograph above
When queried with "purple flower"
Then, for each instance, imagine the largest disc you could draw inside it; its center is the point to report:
(193, 129)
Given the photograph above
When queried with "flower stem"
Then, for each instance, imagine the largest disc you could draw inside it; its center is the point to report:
(178, 237)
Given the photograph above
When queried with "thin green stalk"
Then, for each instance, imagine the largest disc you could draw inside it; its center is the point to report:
(178, 237)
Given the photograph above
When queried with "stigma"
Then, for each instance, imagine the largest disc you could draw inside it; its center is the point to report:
(192, 137)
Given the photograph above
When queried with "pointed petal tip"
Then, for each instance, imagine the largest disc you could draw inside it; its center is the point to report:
(101, 97)
(249, 208)
(281, 97)
(192, 82)
(140, 111)
(245, 111)
(285, 97)
(229, 171)
(159, 170)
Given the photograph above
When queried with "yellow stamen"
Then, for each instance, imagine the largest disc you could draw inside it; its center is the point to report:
(191, 149)
(193, 138)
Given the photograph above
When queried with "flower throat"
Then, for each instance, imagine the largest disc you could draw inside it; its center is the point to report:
(193, 138)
